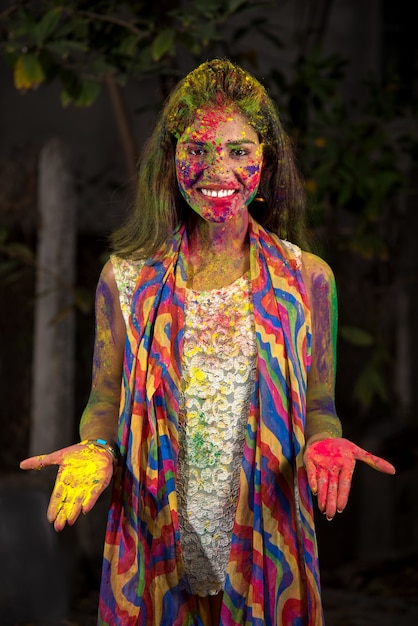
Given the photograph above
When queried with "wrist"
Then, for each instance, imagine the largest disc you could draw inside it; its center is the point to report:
(110, 448)
(319, 437)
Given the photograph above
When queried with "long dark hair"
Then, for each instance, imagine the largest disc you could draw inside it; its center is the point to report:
(159, 207)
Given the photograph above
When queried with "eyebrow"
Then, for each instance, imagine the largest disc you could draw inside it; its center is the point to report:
(233, 142)
(239, 142)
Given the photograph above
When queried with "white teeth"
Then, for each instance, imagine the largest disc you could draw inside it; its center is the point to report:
(218, 193)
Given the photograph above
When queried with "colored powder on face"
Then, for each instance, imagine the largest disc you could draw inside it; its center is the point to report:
(219, 148)
(252, 169)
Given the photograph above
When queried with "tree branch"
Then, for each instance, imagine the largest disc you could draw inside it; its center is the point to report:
(124, 125)
(108, 18)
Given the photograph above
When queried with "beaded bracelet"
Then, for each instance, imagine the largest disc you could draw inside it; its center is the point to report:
(102, 443)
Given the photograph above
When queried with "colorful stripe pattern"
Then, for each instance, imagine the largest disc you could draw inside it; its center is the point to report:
(272, 576)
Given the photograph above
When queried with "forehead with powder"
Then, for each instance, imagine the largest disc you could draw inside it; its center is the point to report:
(210, 122)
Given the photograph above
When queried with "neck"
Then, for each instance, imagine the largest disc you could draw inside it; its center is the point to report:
(219, 253)
(226, 238)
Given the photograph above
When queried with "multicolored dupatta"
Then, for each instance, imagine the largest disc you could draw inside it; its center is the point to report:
(272, 576)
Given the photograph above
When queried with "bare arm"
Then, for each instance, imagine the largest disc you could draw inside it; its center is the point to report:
(86, 468)
(100, 417)
(321, 417)
(329, 459)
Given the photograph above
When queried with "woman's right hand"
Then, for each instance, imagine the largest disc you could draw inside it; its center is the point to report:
(85, 470)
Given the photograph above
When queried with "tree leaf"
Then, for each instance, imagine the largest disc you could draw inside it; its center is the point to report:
(75, 29)
(163, 43)
(47, 25)
(83, 300)
(88, 94)
(65, 47)
(28, 72)
(129, 44)
(71, 86)
(234, 5)
(369, 385)
(8, 267)
(65, 98)
(356, 336)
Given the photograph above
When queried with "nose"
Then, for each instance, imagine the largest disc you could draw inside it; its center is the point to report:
(220, 163)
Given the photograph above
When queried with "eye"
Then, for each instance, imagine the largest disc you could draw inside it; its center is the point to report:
(194, 148)
(196, 151)
(239, 152)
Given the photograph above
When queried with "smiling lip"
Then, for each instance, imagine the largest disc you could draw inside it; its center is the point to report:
(217, 193)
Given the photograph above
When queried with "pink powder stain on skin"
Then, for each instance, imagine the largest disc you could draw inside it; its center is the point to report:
(338, 454)
(332, 457)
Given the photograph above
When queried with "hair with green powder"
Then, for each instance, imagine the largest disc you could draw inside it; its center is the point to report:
(159, 207)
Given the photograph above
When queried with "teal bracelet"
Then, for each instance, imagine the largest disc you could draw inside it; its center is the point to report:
(102, 443)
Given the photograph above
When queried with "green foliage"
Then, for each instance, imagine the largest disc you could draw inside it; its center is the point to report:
(353, 151)
(28, 72)
(356, 336)
(15, 257)
(81, 43)
(163, 44)
(371, 383)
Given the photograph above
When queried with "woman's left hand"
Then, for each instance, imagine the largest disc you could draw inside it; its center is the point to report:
(330, 465)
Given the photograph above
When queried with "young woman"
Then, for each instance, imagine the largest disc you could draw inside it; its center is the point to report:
(212, 400)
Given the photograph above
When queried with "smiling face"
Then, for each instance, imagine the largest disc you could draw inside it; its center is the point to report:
(218, 163)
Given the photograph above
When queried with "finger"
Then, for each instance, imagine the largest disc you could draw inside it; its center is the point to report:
(64, 495)
(80, 498)
(344, 486)
(35, 462)
(58, 497)
(65, 510)
(331, 502)
(77, 501)
(91, 500)
(311, 474)
(73, 510)
(56, 504)
(376, 462)
(322, 479)
(42, 460)
(61, 519)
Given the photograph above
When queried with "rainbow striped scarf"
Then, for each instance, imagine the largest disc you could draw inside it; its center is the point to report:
(272, 576)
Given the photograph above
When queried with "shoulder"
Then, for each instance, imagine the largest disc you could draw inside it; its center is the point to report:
(125, 271)
(316, 273)
(107, 273)
(107, 283)
(313, 265)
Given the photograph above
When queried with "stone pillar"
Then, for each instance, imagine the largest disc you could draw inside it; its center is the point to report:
(53, 361)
